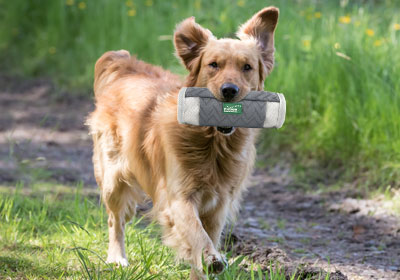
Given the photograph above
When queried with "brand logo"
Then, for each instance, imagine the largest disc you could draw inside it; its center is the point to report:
(231, 108)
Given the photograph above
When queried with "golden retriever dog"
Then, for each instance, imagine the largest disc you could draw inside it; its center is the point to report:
(194, 175)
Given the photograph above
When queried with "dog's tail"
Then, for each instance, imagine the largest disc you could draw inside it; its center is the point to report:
(109, 67)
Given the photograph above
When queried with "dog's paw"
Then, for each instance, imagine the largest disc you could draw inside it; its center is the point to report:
(216, 264)
(120, 261)
(217, 267)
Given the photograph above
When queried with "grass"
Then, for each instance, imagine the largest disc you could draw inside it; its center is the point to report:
(336, 61)
(58, 232)
(50, 231)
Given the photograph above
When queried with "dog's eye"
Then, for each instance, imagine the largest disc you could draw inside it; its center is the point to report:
(247, 67)
(213, 64)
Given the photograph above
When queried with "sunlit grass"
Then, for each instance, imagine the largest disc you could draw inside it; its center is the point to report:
(52, 231)
(61, 232)
(337, 62)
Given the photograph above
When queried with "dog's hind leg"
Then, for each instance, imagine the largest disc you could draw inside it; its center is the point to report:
(120, 200)
(120, 196)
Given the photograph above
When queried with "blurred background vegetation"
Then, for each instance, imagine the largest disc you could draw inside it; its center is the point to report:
(337, 62)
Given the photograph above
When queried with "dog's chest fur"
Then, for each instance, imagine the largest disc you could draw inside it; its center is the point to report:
(214, 165)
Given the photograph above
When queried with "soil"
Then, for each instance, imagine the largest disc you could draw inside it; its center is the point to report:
(43, 137)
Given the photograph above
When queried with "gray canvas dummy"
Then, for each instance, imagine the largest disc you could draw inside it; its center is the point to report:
(258, 109)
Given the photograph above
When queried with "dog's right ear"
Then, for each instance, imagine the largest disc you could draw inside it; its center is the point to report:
(189, 39)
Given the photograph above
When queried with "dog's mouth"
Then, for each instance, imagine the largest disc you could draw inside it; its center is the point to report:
(226, 130)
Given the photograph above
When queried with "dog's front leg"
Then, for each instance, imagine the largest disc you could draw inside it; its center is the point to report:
(184, 231)
(214, 221)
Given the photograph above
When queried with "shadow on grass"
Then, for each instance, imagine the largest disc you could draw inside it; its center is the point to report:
(19, 268)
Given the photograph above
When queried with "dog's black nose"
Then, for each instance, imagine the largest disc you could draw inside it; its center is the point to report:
(229, 91)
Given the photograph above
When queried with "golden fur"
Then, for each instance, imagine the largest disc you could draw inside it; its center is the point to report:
(194, 175)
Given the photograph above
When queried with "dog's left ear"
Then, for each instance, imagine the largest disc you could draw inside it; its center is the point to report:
(189, 39)
(261, 27)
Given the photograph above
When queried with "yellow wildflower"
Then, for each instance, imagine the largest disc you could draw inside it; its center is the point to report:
(317, 14)
(132, 12)
(306, 43)
(378, 43)
(241, 3)
(52, 50)
(69, 2)
(396, 26)
(336, 45)
(129, 3)
(345, 19)
(82, 5)
(370, 32)
(149, 3)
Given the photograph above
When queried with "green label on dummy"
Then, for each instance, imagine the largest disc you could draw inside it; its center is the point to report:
(231, 108)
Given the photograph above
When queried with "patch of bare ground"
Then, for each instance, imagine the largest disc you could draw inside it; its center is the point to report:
(42, 134)
(314, 233)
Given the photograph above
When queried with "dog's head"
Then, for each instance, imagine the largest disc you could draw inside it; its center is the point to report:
(229, 68)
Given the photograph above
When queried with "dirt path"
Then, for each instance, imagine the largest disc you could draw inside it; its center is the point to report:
(334, 231)
(42, 136)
